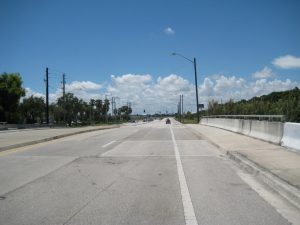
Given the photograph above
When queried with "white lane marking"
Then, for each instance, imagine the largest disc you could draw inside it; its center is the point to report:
(104, 146)
(146, 155)
(189, 213)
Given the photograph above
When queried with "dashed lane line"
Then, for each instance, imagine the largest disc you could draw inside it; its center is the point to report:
(106, 145)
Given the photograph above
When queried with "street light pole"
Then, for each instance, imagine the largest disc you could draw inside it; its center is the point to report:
(196, 83)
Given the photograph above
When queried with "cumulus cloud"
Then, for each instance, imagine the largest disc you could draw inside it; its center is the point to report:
(224, 88)
(169, 31)
(263, 86)
(85, 90)
(82, 85)
(151, 95)
(131, 79)
(29, 92)
(173, 83)
(264, 73)
(287, 62)
(162, 94)
(228, 83)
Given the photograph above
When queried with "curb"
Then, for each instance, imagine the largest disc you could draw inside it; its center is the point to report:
(280, 186)
(53, 138)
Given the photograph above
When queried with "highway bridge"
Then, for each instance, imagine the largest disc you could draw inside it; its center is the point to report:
(144, 173)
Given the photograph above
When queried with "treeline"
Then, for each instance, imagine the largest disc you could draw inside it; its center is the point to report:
(68, 109)
(285, 103)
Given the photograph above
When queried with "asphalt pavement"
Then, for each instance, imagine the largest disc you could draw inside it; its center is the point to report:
(152, 173)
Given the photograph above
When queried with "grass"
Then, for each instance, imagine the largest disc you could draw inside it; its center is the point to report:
(189, 121)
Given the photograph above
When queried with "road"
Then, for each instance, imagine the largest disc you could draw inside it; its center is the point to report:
(146, 174)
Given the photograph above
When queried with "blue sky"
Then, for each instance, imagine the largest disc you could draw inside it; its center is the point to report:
(92, 40)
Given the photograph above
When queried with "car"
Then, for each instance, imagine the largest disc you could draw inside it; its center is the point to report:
(168, 121)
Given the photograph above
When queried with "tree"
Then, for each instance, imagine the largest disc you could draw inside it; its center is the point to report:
(99, 109)
(11, 91)
(276, 103)
(92, 104)
(105, 107)
(32, 109)
(125, 111)
(70, 108)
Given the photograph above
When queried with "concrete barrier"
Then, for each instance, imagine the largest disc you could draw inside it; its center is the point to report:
(246, 127)
(227, 124)
(265, 130)
(3, 126)
(291, 136)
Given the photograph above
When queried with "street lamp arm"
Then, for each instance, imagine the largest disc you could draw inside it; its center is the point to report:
(183, 57)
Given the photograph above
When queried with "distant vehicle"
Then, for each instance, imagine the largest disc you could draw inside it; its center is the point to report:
(168, 121)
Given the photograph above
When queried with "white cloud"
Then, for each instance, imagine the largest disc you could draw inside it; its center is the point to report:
(169, 31)
(131, 79)
(173, 83)
(85, 90)
(264, 73)
(287, 62)
(162, 94)
(29, 93)
(222, 88)
(152, 95)
(262, 86)
(228, 83)
(82, 85)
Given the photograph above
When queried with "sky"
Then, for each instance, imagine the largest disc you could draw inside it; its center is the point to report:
(123, 49)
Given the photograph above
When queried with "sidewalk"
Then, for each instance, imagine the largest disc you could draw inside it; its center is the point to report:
(276, 160)
(10, 139)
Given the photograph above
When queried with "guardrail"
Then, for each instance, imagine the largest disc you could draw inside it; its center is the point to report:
(281, 118)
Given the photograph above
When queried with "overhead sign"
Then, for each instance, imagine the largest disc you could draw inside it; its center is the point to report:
(201, 106)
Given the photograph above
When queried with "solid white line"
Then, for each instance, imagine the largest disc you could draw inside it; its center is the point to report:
(104, 146)
(146, 155)
(189, 213)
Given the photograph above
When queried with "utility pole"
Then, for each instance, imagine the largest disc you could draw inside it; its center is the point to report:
(47, 96)
(112, 105)
(64, 93)
(196, 86)
(64, 85)
(178, 111)
(106, 103)
(115, 111)
(182, 107)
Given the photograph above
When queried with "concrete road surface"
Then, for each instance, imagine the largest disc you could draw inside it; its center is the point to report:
(152, 174)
